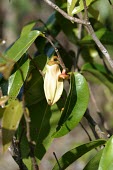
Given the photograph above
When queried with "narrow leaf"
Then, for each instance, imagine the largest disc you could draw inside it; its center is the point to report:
(70, 6)
(106, 161)
(27, 28)
(11, 118)
(69, 157)
(22, 45)
(81, 6)
(94, 162)
(75, 105)
(16, 81)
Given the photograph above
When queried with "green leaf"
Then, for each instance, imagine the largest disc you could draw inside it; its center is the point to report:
(70, 6)
(28, 163)
(105, 36)
(44, 120)
(16, 81)
(52, 25)
(106, 161)
(34, 87)
(94, 162)
(81, 6)
(69, 157)
(75, 106)
(1, 112)
(22, 45)
(10, 121)
(100, 73)
(27, 28)
(68, 31)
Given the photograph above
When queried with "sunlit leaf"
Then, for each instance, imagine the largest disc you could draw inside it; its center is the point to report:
(106, 161)
(10, 121)
(70, 6)
(22, 45)
(94, 162)
(75, 106)
(69, 157)
(81, 6)
(28, 163)
(27, 28)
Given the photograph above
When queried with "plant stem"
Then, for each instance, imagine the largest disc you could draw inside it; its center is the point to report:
(72, 19)
(88, 27)
(58, 54)
(31, 143)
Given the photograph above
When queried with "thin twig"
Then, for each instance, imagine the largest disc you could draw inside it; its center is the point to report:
(89, 29)
(98, 111)
(80, 26)
(86, 131)
(95, 38)
(72, 19)
(31, 143)
(57, 161)
(110, 2)
(28, 135)
(100, 45)
(85, 10)
(57, 52)
(94, 126)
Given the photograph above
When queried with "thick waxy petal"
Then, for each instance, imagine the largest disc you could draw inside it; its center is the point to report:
(53, 87)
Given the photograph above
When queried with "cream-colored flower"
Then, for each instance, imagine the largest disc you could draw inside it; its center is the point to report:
(53, 86)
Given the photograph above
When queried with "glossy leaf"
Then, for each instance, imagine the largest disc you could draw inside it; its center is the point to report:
(100, 73)
(70, 6)
(69, 157)
(75, 106)
(94, 162)
(106, 161)
(22, 45)
(81, 6)
(10, 121)
(16, 81)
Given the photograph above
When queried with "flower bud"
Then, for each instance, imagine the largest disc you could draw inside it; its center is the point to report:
(53, 86)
